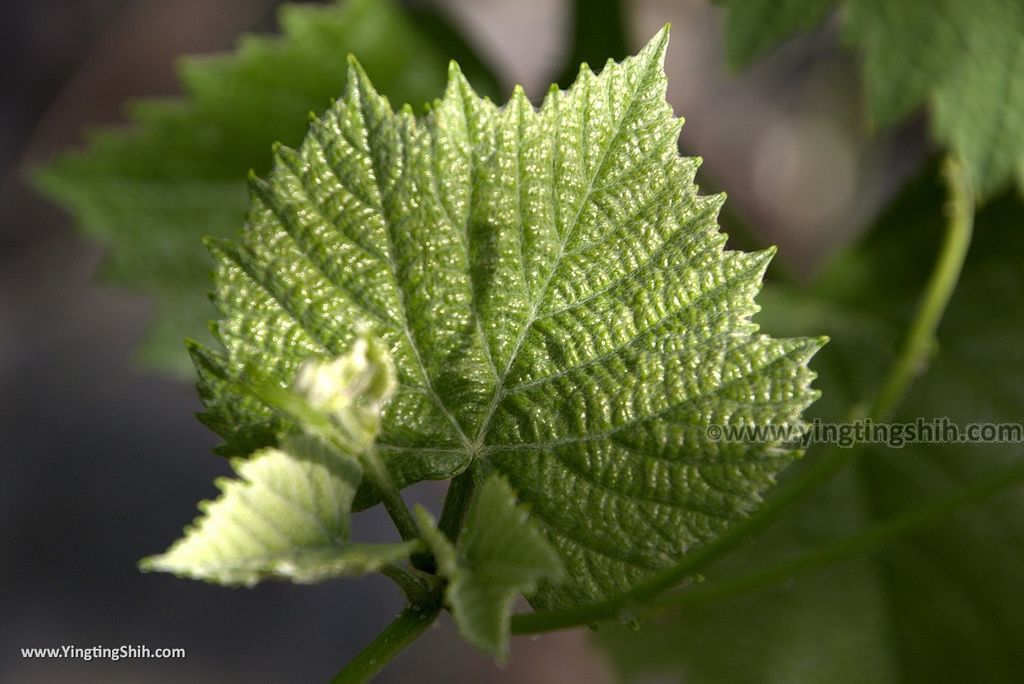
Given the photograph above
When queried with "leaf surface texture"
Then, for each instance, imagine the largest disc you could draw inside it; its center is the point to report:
(556, 299)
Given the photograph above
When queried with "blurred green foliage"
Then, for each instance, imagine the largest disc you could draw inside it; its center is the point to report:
(151, 191)
(964, 61)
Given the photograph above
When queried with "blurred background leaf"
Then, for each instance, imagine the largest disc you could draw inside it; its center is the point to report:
(599, 31)
(150, 192)
(964, 61)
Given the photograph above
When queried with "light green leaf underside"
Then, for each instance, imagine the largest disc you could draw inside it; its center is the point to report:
(285, 517)
(500, 555)
(556, 299)
(964, 60)
(150, 192)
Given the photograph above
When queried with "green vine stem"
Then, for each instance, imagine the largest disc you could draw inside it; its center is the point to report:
(395, 638)
(419, 588)
(920, 340)
(912, 357)
(456, 503)
(379, 477)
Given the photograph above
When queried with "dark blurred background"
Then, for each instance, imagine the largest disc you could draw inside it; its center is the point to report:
(103, 461)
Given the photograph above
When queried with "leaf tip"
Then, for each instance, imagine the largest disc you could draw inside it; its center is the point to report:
(149, 564)
(358, 80)
(457, 81)
(657, 47)
(217, 247)
(765, 257)
(259, 187)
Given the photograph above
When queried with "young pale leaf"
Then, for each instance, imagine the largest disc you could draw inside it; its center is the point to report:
(500, 555)
(286, 517)
(963, 59)
(556, 299)
(349, 391)
(150, 192)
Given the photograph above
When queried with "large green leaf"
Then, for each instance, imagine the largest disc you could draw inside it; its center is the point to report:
(556, 299)
(940, 606)
(178, 173)
(964, 60)
(500, 555)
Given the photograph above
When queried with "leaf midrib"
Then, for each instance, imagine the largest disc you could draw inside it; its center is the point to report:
(404, 132)
(499, 390)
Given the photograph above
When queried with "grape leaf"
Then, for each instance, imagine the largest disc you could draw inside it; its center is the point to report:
(556, 299)
(287, 516)
(939, 606)
(963, 60)
(150, 192)
(500, 555)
